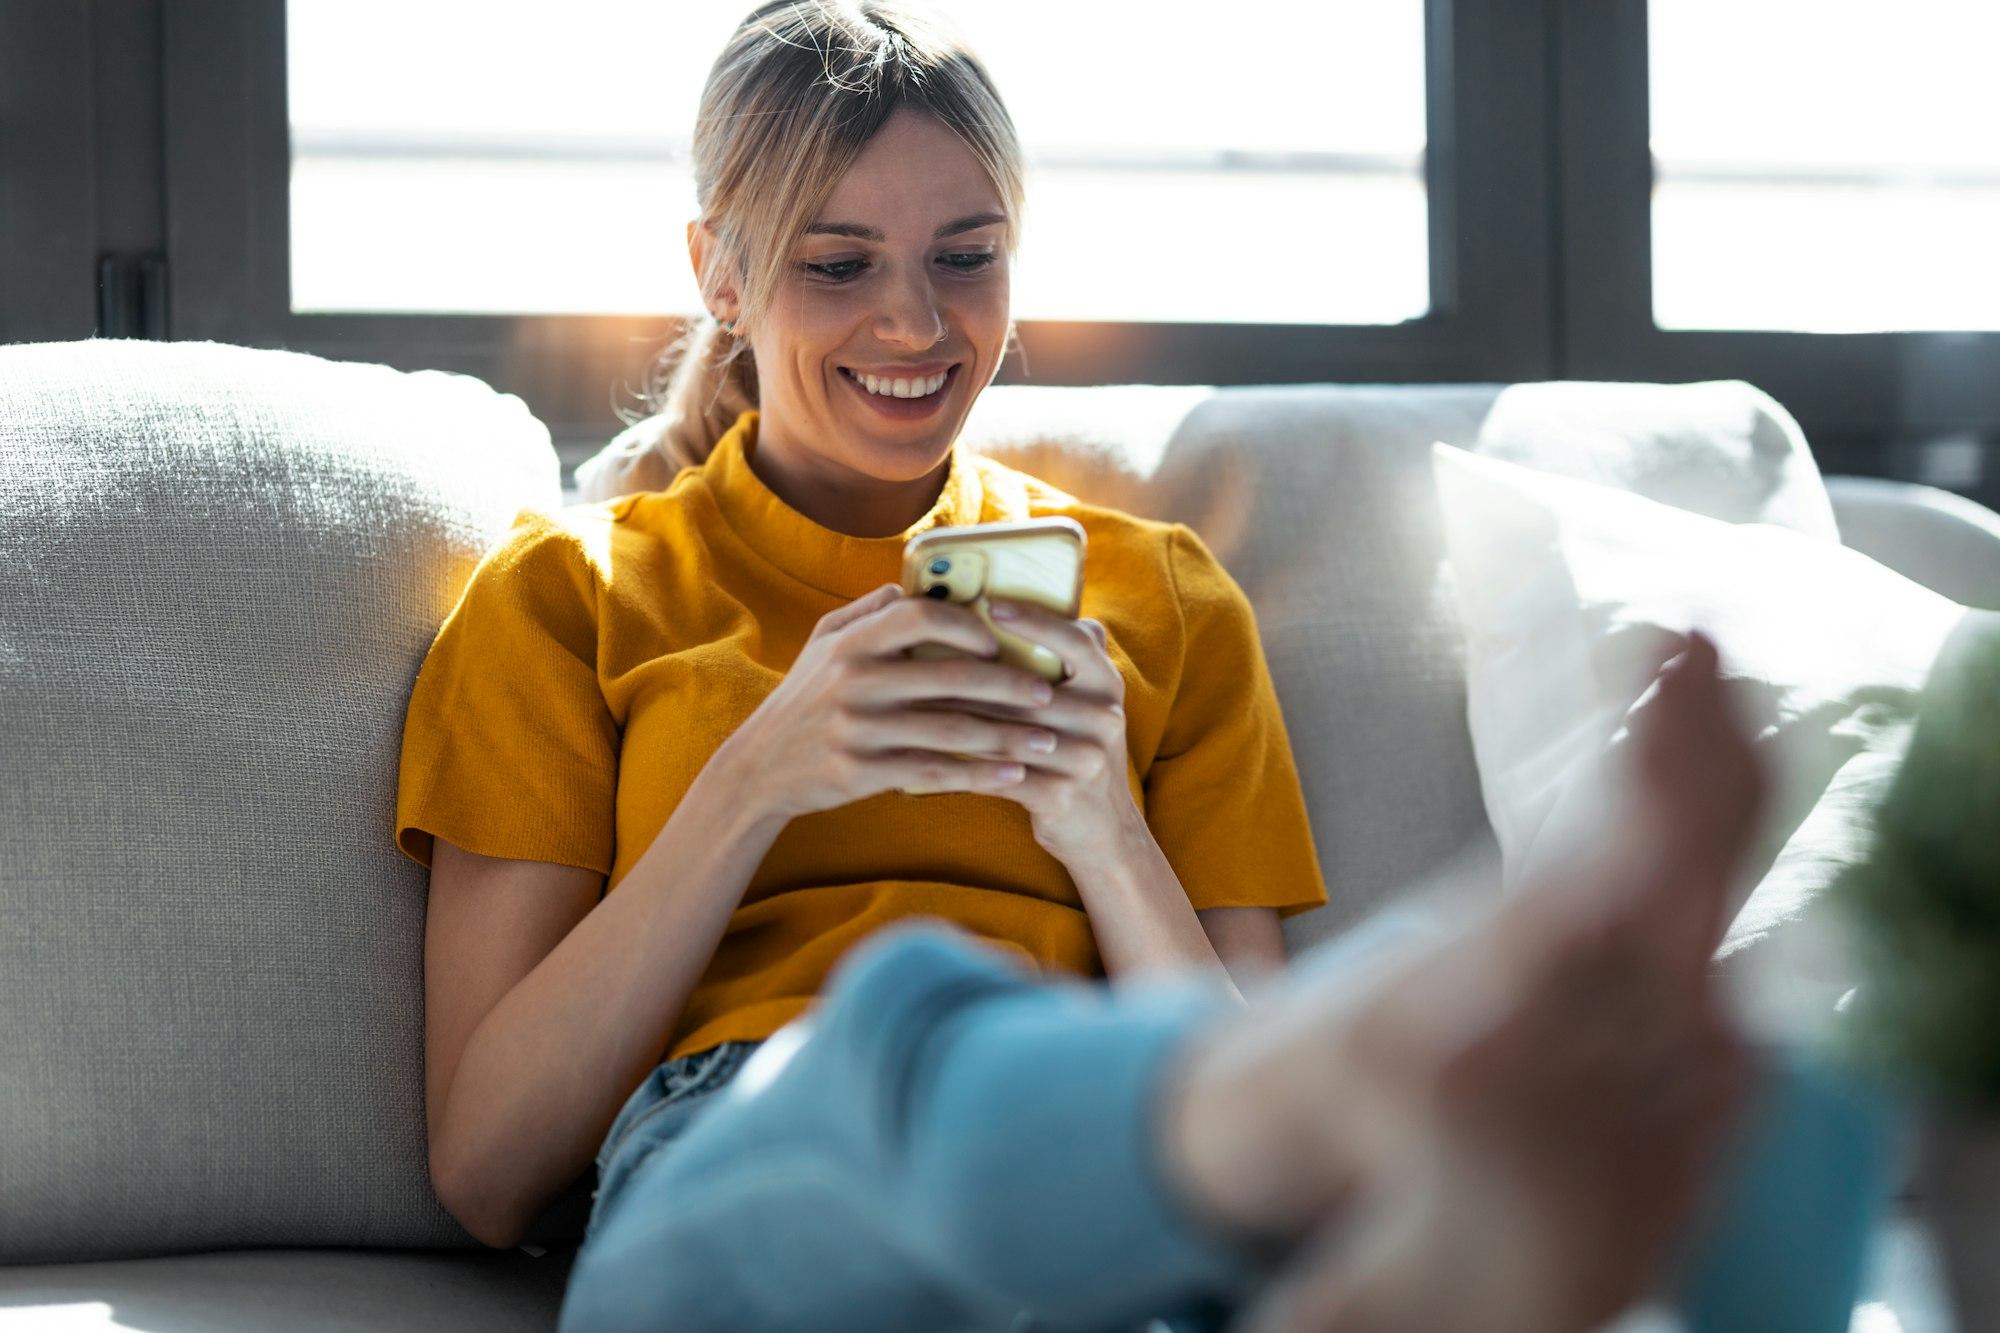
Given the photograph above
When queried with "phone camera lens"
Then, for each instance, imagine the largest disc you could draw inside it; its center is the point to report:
(939, 591)
(940, 565)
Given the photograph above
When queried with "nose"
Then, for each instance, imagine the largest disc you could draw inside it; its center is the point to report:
(913, 316)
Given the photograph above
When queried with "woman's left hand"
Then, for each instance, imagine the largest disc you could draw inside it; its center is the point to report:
(1076, 794)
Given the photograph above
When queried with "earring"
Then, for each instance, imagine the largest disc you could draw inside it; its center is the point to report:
(728, 326)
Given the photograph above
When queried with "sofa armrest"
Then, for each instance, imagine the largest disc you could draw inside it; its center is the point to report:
(1946, 542)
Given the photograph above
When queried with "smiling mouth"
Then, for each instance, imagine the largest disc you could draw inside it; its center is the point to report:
(950, 375)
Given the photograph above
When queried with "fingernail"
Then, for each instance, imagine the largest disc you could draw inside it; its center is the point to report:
(1003, 610)
(1041, 693)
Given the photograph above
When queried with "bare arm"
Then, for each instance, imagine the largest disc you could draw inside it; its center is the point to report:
(1249, 940)
(1144, 922)
(1138, 910)
(545, 1008)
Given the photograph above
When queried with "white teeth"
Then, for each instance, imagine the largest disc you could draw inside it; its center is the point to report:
(901, 388)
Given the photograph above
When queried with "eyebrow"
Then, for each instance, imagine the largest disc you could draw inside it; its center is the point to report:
(859, 232)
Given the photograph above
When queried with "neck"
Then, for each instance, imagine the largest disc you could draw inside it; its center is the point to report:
(840, 498)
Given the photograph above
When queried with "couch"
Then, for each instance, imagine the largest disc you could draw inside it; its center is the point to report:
(223, 568)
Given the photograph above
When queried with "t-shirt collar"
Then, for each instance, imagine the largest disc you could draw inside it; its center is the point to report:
(833, 562)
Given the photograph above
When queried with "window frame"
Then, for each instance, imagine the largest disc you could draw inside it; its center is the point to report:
(80, 226)
(1890, 404)
(227, 207)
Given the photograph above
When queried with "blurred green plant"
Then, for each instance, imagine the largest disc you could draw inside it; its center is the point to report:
(1923, 904)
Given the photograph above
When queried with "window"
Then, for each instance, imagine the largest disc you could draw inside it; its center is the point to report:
(1353, 190)
(541, 165)
(1791, 194)
(1249, 197)
(1826, 166)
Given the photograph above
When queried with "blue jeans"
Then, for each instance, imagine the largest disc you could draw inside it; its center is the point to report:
(948, 1144)
(663, 1105)
(944, 1143)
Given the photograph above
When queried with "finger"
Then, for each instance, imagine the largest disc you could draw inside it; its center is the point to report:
(948, 731)
(1081, 651)
(917, 771)
(872, 600)
(1069, 712)
(898, 681)
(908, 621)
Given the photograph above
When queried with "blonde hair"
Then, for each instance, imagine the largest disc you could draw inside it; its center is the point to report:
(799, 89)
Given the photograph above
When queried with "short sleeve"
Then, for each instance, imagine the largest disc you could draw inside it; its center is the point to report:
(509, 748)
(1222, 793)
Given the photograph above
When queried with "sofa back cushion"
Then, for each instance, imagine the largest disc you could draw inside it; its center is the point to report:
(1319, 499)
(223, 567)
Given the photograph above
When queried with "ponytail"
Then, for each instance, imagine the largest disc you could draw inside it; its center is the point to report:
(700, 384)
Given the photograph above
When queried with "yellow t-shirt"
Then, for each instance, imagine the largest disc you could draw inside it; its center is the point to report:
(600, 654)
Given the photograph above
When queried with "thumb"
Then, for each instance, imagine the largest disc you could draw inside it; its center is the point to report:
(872, 600)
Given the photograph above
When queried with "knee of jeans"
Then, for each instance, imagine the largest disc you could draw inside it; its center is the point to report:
(903, 971)
(893, 945)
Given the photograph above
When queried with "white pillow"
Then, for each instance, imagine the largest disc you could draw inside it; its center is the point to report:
(1572, 595)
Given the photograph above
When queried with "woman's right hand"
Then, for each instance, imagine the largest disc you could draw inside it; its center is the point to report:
(854, 716)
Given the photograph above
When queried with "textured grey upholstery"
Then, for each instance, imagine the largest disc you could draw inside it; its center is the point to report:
(291, 1291)
(223, 569)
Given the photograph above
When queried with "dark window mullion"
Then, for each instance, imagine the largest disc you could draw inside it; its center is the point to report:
(1887, 399)
(48, 199)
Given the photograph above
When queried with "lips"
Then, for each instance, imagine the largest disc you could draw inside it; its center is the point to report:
(891, 408)
(856, 376)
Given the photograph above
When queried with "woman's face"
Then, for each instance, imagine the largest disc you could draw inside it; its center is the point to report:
(900, 301)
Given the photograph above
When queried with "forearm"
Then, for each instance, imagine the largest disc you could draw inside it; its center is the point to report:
(544, 1074)
(1138, 910)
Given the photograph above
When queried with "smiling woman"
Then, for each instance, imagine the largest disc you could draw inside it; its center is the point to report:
(696, 684)
(857, 302)
(833, 1029)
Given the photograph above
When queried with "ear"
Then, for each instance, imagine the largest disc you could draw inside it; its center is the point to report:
(725, 299)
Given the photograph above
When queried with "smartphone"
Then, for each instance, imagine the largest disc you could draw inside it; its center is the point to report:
(1037, 560)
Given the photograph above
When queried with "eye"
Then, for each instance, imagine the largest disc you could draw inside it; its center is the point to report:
(842, 270)
(828, 270)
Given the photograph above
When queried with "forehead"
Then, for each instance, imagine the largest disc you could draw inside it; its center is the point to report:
(912, 176)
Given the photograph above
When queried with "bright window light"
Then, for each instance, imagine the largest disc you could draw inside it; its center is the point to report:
(1263, 165)
(1826, 166)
